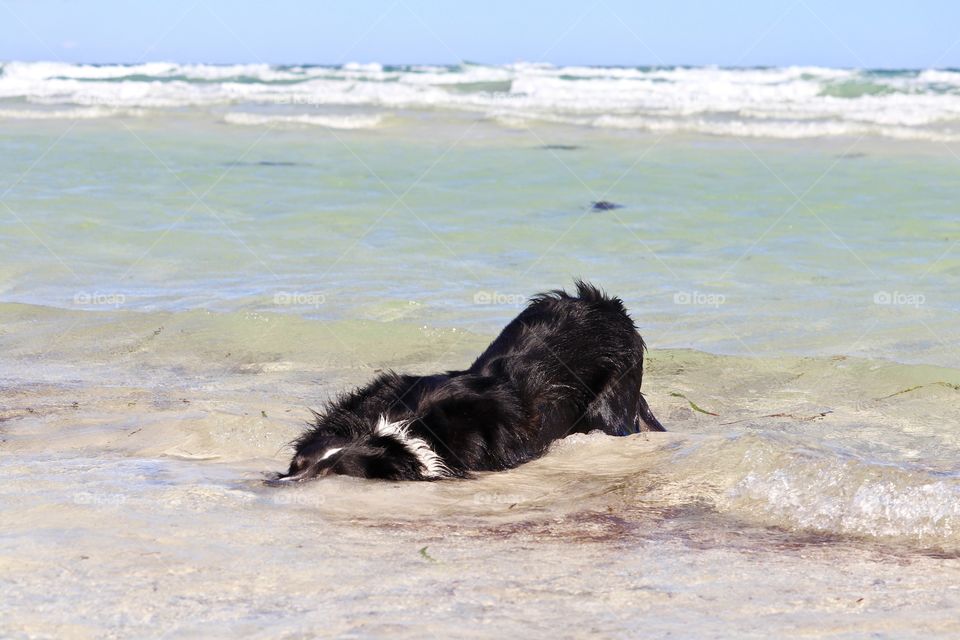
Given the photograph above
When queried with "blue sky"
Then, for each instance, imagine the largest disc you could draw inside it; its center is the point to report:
(854, 33)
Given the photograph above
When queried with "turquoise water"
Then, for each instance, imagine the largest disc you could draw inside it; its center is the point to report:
(757, 247)
(193, 255)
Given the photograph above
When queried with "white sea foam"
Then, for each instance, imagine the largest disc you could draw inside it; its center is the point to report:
(76, 113)
(801, 485)
(332, 122)
(789, 102)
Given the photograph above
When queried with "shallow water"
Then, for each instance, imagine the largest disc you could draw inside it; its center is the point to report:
(180, 283)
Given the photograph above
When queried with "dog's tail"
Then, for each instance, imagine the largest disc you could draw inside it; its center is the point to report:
(647, 416)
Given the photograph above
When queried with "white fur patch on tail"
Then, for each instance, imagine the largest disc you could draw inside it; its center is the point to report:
(433, 465)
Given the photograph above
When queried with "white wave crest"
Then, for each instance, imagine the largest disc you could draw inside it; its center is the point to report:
(331, 122)
(79, 113)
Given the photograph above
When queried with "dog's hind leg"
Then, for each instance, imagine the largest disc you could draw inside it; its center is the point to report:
(620, 409)
(646, 417)
(614, 410)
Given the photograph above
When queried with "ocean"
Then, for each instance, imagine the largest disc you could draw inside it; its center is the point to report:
(196, 255)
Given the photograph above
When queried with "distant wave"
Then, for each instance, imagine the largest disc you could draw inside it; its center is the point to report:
(332, 122)
(74, 113)
(790, 102)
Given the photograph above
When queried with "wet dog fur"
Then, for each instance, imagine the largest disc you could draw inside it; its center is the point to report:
(567, 364)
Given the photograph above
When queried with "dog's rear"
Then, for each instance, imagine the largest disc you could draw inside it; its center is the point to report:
(580, 359)
(566, 364)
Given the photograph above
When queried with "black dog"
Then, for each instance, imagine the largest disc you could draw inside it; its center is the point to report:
(565, 365)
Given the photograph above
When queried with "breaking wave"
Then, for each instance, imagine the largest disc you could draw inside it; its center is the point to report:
(790, 102)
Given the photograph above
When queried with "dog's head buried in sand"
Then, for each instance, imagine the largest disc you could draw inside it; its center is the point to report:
(567, 364)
